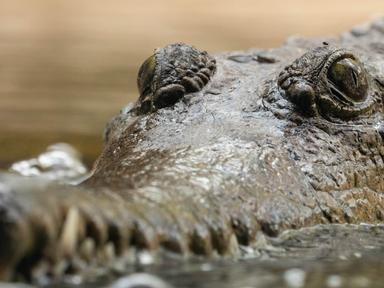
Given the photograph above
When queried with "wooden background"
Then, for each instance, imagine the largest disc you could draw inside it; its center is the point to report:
(67, 66)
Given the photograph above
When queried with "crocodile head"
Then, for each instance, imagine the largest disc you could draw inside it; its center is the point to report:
(215, 152)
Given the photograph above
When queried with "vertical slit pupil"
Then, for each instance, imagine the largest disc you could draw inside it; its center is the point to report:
(354, 77)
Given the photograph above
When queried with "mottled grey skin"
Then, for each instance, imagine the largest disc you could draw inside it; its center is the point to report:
(239, 158)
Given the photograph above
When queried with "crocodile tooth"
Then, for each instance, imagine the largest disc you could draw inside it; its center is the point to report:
(233, 246)
(69, 236)
(107, 253)
(87, 249)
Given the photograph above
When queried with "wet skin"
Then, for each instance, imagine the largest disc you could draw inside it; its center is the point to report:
(225, 149)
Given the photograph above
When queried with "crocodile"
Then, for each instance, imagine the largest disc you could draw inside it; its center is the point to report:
(216, 151)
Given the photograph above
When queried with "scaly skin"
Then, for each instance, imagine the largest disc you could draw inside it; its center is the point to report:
(249, 153)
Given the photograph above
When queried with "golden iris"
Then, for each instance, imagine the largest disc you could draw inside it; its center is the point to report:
(348, 81)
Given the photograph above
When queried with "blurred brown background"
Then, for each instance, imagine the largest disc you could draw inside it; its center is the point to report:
(67, 66)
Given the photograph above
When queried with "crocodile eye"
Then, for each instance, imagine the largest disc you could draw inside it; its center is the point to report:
(347, 81)
(331, 82)
(145, 76)
(170, 73)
